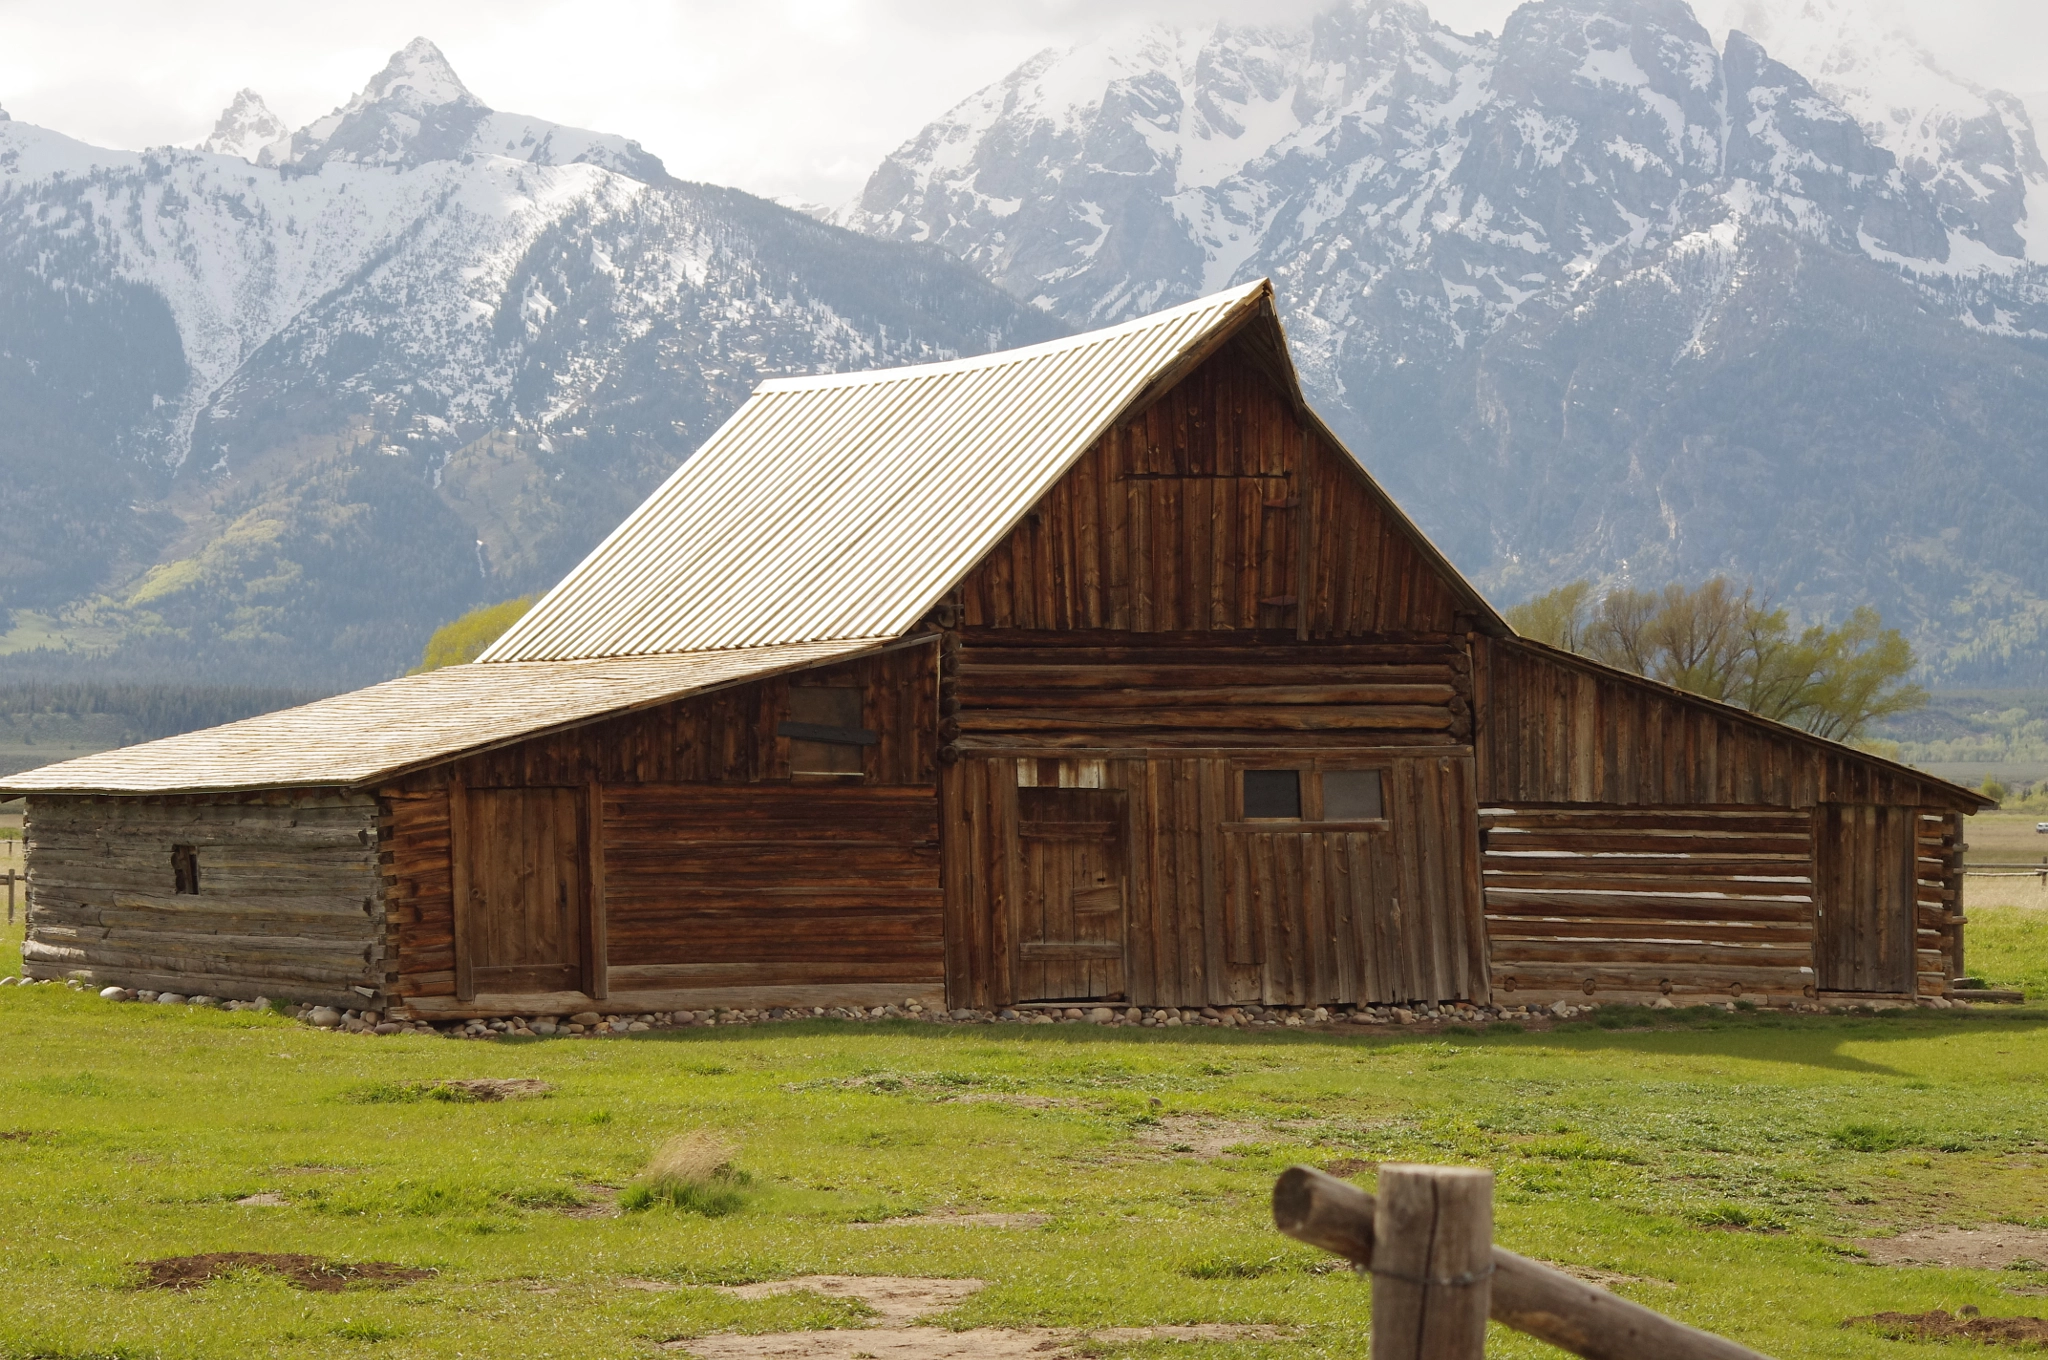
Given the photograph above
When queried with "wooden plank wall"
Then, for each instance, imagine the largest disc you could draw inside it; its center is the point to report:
(1201, 512)
(289, 902)
(1013, 690)
(1551, 731)
(702, 824)
(772, 887)
(1697, 904)
(1221, 912)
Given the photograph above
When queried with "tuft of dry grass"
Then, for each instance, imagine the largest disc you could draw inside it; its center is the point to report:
(692, 1171)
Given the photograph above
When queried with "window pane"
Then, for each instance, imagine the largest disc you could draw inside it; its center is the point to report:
(1352, 796)
(1272, 794)
(825, 706)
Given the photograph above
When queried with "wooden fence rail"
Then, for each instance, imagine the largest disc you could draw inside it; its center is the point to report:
(1436, 1276)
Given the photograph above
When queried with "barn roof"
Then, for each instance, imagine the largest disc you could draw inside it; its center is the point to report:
(846, 506)
(372, 734)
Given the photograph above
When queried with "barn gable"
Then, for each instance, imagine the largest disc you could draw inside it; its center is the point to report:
(1221, 504)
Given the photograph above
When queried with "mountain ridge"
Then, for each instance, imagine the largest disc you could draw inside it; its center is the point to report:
(1472, 234)
(281, 419)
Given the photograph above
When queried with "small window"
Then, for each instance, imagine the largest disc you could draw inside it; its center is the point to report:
(824, 731)
(184, 869)
(1272, 795)
(1352, 796)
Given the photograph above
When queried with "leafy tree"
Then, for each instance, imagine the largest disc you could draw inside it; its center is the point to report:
(1994, 790)
(1725, 644)
(464, 640)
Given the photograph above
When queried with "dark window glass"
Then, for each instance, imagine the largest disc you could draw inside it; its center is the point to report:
(826, 706)
(1272, 794)
(184, 869)
(1352, 796)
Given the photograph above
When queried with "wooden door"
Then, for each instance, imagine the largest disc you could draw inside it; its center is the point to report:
(1864, 898)
(523, 883)
(1070, 927)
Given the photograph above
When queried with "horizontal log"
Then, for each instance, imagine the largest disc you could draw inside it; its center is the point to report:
(1505, 901)
(1526, 1295)
(1121, 745)
(357, 925)
(1506, 953)
(1605, 818)
(763, 952)
(1589, 867)
(976, 678)
(1388, 718)
(1724, 885)
(1502, 839)
(1685, 977)
(254, 949)
(1795, 933)
(1207, 697)
(1034, 649)
(101, 956)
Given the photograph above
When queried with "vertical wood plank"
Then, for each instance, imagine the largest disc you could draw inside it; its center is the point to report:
(597, 951)
(459, 838)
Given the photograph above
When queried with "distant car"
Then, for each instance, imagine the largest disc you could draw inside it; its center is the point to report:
(2041, 827)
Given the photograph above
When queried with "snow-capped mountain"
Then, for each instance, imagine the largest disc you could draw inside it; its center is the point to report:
(1595, 296)
(245, 128)
(284, 403)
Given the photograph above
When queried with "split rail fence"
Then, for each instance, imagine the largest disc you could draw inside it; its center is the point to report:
(1427, 1238)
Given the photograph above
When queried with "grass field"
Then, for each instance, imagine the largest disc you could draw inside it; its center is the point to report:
(1724, 1165)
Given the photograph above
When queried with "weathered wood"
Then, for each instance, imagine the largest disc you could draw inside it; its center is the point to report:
(463, 892)
(1432, 1262)
(596, 946)
(1527, 1295)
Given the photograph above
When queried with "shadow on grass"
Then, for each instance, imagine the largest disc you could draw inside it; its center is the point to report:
(1807, 1040)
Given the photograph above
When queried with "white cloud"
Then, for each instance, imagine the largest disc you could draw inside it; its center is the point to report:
(797, 97)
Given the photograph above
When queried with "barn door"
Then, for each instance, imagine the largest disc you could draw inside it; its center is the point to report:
(1864, 898)
(522, 885)
(1070, 931)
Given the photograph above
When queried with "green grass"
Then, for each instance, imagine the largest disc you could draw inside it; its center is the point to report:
(1728, 1162)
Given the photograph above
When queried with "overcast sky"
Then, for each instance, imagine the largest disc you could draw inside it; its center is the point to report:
(793, 97)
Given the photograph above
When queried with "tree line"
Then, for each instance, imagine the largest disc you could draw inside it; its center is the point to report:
(1726, 644)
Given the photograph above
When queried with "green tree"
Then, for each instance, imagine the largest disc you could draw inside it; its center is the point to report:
(1725, 644)
(1994, 790)
(464, 640)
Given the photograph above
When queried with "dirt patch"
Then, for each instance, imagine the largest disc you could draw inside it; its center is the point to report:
(1607, 1279)
(307, 1272)
(489, 1088)
(1943, 1326)
(1193, 1135)
(953, 1218)
(895, 1298)
(266, 1200)
(934, 1343)
(602, 1201)
(24, 1135)
(1347, 1168)
(1027, 1102)
(1989, 1248)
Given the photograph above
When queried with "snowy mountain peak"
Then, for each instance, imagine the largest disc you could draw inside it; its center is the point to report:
(413, 111)
(417, 78)
(246, 126)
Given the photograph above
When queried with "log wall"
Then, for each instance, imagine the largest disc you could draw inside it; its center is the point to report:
(723, 878)
(290, 900)
(1636, 903)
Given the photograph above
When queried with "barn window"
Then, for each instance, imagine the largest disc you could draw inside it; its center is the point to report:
(184, 869)
(1352, 796)
(1272, 795)
(1312, 794)
(824, 731)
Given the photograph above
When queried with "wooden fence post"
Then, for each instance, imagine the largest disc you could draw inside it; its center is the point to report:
(1432, 1262)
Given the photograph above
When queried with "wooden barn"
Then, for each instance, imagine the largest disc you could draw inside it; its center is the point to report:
(1097, 670)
